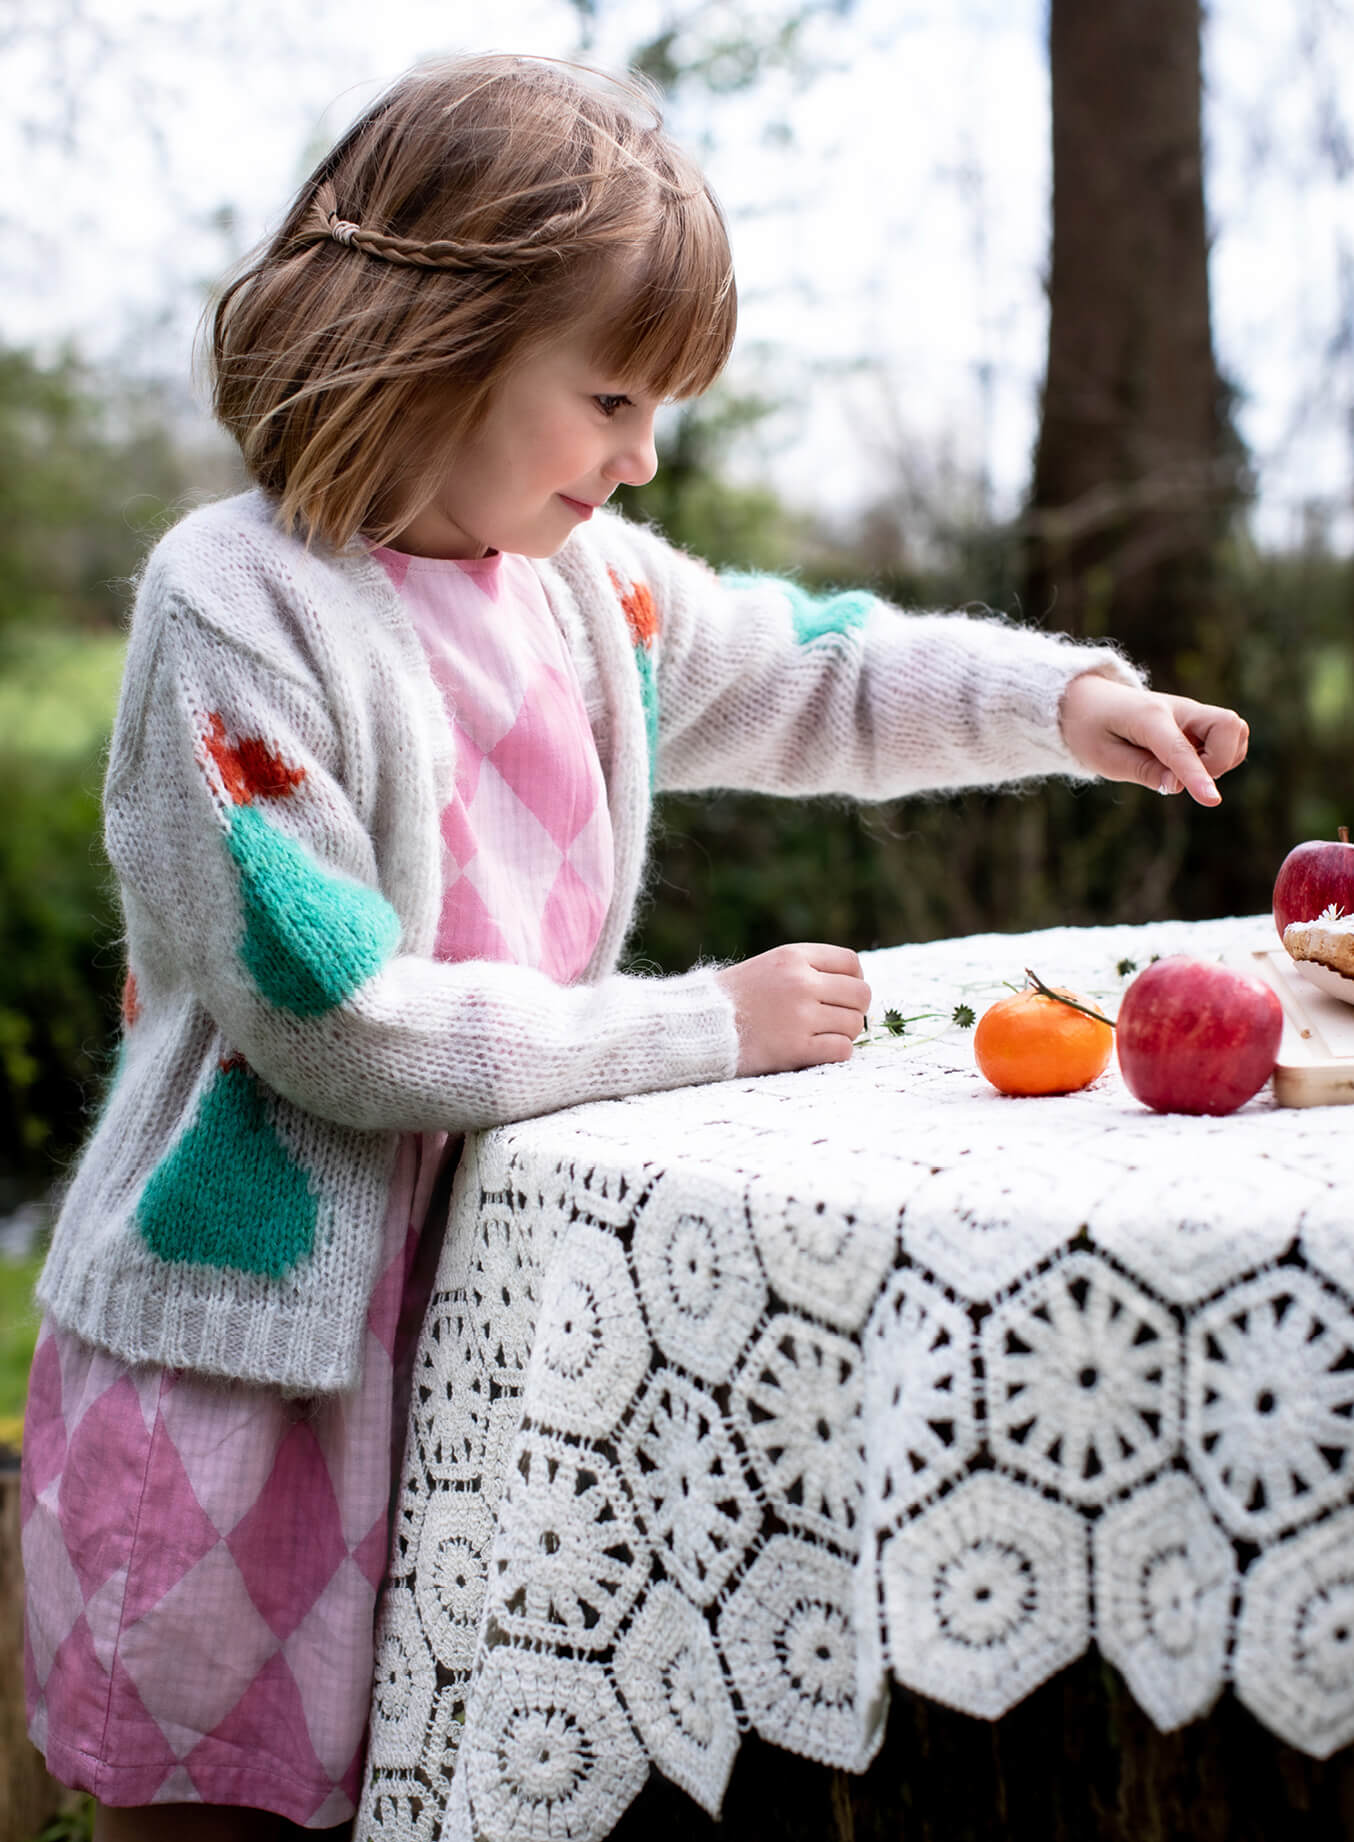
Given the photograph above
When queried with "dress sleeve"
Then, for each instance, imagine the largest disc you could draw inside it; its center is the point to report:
(759, 685)
(251, 887)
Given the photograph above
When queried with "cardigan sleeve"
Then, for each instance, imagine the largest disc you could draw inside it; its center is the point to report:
(759, 685)
(251, 889)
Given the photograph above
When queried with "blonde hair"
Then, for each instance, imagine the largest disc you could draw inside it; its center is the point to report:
(481, 207)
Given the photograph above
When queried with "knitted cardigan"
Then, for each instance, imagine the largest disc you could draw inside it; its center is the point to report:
(279, 764)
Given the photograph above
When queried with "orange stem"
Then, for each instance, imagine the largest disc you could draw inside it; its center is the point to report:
(1061, 997)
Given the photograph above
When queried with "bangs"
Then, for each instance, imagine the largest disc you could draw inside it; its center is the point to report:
(671, 328)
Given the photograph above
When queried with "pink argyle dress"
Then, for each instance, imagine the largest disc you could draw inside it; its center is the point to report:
(203, 1558)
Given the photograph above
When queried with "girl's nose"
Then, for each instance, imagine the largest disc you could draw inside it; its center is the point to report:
(635, 460)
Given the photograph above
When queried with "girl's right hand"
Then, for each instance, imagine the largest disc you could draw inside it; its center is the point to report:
(796, 1006)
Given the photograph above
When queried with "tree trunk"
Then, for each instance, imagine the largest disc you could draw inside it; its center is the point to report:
(1131, 472)
(28, 1797)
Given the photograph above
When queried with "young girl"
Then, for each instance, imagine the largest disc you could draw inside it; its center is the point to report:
(377, 803)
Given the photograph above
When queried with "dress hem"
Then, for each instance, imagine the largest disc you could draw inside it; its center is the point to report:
(297, 1800)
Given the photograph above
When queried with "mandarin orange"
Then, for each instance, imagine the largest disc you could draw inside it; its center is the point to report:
(1031, 1044)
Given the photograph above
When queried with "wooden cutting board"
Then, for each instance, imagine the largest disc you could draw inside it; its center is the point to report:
(1316, 1055)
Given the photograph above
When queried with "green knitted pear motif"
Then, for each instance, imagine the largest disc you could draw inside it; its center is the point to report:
(814, 616)
(311, 939)
(648, 691)
(229, 1193)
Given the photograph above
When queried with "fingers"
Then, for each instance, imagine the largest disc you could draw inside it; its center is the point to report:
(1156, 755)
(850, 994)
(831, 1049)
(834, 1022)
(1177, 763)
(1174, 745)
(796, 1006)
(1160, 740)
(1193, 742)
(1221, 737)
(826, 958)
(839, 994)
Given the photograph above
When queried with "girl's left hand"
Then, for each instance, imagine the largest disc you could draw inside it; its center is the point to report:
(1167, 743)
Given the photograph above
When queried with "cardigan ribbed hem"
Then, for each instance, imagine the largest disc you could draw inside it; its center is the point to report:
(131, 1313)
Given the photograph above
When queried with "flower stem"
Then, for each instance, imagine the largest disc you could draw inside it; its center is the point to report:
(1061, 997)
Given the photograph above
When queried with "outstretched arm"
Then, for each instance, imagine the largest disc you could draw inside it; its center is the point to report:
(1161, 741)
(753, 683)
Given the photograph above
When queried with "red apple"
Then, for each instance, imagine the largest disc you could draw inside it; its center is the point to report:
(1312, 877)
(1197, 1037)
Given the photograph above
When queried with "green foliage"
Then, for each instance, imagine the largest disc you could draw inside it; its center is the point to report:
(732, 875)
(59, 971)
(18, 1333)
(724, 47)
(58, 690)
(88, 471)
(736, 875)
(75, 1824)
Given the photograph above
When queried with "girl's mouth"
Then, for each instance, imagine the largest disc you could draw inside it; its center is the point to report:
(578, 506)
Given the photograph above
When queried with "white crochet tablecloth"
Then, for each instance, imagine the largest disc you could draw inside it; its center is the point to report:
(736, 1402)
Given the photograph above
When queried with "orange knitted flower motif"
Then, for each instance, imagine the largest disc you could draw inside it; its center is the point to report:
(249, 767)
(638, 606)
(131, 1001)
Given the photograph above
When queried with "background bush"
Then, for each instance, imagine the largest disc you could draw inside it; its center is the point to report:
(737, 875)
(732, 875)
(90, 472)
(59, 965)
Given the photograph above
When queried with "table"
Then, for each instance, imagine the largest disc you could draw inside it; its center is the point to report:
(735, 1405)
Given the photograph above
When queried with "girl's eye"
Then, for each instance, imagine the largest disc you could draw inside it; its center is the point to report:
(609, 405)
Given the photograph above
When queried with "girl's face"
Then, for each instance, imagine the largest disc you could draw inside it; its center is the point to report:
(556, 440)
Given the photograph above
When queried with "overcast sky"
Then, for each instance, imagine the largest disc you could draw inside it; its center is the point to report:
(905, 221)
